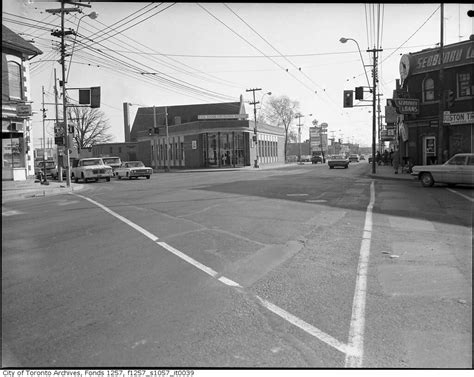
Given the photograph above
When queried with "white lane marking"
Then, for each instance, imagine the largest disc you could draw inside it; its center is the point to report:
(126, 221)
(296, 194)
(356, 331)
(188, 259)
(458, 193)
(273, 308)
(304, 326)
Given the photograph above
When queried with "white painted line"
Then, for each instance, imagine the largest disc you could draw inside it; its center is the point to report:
(296, 194)
(356, 332)
(229, 282)
(328, 339)
(273, 308)
(458, 193)
(121, 218)
(188, 259)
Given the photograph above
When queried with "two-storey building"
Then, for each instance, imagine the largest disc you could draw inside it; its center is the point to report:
(17, 151)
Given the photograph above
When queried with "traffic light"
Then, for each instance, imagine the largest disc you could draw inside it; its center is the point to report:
(359, 92)
(450, 98)
(150, 131)
(348, 98)
(95, 97)
(157, 130)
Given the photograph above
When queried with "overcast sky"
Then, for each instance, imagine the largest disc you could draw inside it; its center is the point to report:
(188, 53)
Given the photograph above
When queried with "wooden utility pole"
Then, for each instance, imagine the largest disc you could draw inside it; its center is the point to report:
(254, 103)
(440, 146)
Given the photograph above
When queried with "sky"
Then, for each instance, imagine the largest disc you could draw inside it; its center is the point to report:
(167, 54)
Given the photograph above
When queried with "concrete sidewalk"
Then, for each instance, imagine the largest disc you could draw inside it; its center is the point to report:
(31, 188)
(388, 172)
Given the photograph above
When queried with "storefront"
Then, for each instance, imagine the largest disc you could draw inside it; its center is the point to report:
(442, 122)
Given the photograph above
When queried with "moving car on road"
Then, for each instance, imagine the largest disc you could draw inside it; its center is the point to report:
(133, 169)
(354, 158)
(316, 159)
(113, 162)
(338, 160)
(91, 168)
(459, 169)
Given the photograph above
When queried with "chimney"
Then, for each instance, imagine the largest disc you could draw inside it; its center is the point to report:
(126, 122)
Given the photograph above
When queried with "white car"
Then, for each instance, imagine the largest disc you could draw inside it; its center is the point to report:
(91, 168)
(133, 169)
(459, 169)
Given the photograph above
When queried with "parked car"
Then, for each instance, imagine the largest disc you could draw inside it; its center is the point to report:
(113, 162)
(338, 160)
(459, 169)
(305, 158)
(133, 169)
(91, 168)
(362, 157)
(40, 168)
(316, 159)
(354, 158)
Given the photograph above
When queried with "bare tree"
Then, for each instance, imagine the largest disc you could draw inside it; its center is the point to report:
(281, 111)
(90, 126)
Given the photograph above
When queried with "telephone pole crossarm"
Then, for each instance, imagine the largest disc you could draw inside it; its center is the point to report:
(254, 103)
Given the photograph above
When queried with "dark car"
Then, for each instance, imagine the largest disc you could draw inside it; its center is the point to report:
(338, 161)
(316, 159)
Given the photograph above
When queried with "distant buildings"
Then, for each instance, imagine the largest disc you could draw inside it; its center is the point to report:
(17, 151)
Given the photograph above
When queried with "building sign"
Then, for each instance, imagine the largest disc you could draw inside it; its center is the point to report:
(223, 116)
(454, 55)
(194, 144)
(459, 118)
(390, 114)
(407, 105)
(23, 110)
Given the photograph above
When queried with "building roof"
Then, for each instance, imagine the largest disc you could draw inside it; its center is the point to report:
(144, 118)
(12, 42)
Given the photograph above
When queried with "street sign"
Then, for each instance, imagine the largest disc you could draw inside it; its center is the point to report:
(23, 110)
(458, 118)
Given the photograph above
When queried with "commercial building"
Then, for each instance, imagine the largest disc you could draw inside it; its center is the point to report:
(17, 151)
(433, 106)
(204, 136)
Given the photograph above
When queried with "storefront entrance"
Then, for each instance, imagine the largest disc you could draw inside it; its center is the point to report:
(224, 149)
(429, 150)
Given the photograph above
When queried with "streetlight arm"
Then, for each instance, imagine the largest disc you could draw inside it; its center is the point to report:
(344, 40)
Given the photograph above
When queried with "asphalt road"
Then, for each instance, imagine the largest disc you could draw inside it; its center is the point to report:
(240, 269)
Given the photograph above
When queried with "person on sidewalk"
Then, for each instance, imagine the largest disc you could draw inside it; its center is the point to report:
(396, 160)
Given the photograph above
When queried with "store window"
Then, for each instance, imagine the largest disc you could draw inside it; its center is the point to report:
(14, 80)
(12, 153)
(465, 84)
(428, 89)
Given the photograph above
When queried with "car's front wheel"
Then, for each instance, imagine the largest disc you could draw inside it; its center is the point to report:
(426, 180)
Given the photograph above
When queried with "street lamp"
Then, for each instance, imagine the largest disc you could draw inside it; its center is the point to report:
(299, 116)
(374, 90)
(93, 16)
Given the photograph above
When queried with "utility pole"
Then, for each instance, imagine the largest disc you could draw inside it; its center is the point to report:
(62, 33)
(60, 160)
(254, 103)
(440, 146)
(374, 104)
(45, 178)
(154, 148)
(167, 141)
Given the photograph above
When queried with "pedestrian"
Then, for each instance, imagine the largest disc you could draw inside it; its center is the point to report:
(378, 158)
(385, 157)
(391, 157)
(396, 160)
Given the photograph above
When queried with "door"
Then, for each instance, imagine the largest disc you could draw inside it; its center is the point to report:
(429, 150)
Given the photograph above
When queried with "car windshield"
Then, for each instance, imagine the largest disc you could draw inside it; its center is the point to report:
(113, 160)
(456, 160)
(96, 161)
(134, 164)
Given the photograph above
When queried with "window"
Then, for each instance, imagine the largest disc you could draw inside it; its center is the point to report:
(428, 90)
(14, 80)
(465, 85)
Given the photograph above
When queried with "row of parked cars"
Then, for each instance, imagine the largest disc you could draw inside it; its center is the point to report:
(95, 168)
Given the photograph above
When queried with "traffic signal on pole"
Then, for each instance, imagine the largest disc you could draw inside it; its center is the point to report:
(348, 98)
(90, 96)
(450, 98)
(150, 130)
(157, 130)
(95, 97)
(359, 92)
